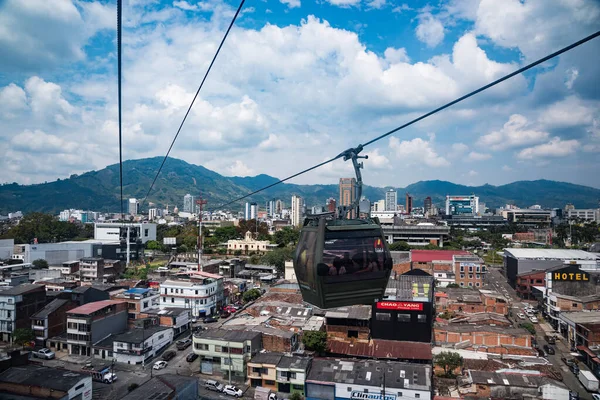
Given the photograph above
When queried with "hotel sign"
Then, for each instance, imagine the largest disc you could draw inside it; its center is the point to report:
(400, 305)
(570, 274)
(356, 395)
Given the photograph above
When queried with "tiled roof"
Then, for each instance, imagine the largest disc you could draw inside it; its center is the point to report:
(379, 348)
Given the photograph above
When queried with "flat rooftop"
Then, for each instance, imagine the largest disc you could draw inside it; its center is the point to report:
(36, 375)
(582, 317)
(550, 254)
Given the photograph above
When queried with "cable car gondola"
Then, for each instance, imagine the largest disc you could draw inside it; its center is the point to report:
(341, 262)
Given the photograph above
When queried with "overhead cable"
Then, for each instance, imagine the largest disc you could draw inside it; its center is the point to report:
(453, 102)
(194, 99)
(119, 29)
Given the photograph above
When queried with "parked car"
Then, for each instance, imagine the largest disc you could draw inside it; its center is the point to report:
(168, 355)
(533, 320)
(568, 361)
(194, 320)
(184, 344)
(541, 352)
(549, 349)
(230, 309)
(191, 357)
(44, 353)
(521, 315)
(213, 385)
(209, 320)
(595, 396)
(225, 314)
(109, 378)
(550, 339)
(232, 391)
(160, 365)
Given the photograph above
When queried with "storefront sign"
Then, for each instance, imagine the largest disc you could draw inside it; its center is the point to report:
(356, 395)
(400, 305)
(570, 274)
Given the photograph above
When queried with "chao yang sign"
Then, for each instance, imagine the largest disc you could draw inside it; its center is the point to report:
(356, 395)
(400, 305)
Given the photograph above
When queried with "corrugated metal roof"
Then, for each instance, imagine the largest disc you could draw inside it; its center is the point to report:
(379, 348)
(558, 254)
(435, 255)
(93, 307)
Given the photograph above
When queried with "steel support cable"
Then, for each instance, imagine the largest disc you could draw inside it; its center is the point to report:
(119, 29)
(481, 89)
(194, 99)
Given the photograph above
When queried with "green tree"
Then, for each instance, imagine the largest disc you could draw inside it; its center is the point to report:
(153, 245)
(315, 341)
(23, 335)
(399, 246)
(296, 396)
(277, 257)
(40, 263)
(529, 327)
(286, 236)
(449, 361)
(251, 295)
(250, 225)
(225, 233)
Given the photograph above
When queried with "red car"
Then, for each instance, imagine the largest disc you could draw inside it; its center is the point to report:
(230, 309)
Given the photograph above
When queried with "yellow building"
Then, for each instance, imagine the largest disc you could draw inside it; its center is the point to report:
(248, 245)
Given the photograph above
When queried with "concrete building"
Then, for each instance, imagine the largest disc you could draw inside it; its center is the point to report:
(527, 217)
(347, 188)
(491, 339)
(512, 384)
(332, 379)
(7, 247)
(391, 200)
(35, 381)
(520, 260)
(17, 305)
(134, 207)
(469, 271)
(409, 203)
(91, 268)
(138, 300)
(200, 292)
(57, 253)
(348, 323)
(589, 215)
(178, 319)
(296, 214)
(462, 205)
(248, 245)
(92, 322)
(166, 386)
(427, 205)
(188, 204)
(417, 235)
(51, 320)
(136, 345)
(278, 372)
(68, 269)
(226, 351)
(529, 283)
(114, 231)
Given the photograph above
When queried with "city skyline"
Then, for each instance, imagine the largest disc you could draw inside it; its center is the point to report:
(59, 108)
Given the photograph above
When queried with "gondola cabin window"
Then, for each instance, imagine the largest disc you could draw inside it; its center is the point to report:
(305, 259)
(353, 258)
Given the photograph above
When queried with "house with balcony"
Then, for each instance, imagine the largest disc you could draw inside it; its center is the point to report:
(278, 372)
(136, 345)
(227, 351)
(138, 301)
(51, 320)
(177, 319)
(200, 292)
(17, 305)
(68, 269)
(91, 268)
(92, 322)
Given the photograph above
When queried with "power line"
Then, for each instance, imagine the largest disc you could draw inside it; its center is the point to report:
(194, 99)
(481, 89)
(119, 29)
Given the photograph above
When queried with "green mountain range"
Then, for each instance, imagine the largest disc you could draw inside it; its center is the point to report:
(99, 190)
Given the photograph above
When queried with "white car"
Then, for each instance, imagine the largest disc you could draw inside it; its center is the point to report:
(533, 320)
(160, 365)
(109, 378)
(595, 396)
(232, 391)
(521, 315)
(44, 353)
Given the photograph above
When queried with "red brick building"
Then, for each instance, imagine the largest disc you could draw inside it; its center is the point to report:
(425, 259)
(469, 271)
(459, 300)
(490, 339)
(527, 280)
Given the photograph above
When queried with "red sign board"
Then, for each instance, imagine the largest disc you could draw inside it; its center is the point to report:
(400, 305)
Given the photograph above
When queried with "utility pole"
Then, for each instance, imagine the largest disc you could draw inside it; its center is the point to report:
(201, 202)
(229, 353)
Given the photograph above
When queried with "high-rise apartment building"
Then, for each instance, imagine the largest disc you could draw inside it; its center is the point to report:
(253, 211)
(462, 205)
(278, 206)
(427, 204)
(296, 210)
(152, 213)
(247, 212)
(134, 207)
(188, 203)
(409, 203)
(391, 200)
(348, 193)
(271, 208)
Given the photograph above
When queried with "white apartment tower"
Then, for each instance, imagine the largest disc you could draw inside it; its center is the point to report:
(296, 210)
(188, 203)
(391, 200)
(134, 207)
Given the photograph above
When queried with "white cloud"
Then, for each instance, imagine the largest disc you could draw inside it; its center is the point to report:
(591, 148)
(376, 160)
(430, 30)
(568, 113)
(184, 5)
(376, 4)
(472, 173)
(401, 8)
(417, 151)
(13, 100)
(39, 142)
(273, 142)
(239, 169)
(572, 74)
(474, 156)
(291, 3)
(459, 148)
(506, 168)
(396, 56)
(554, 148)
(514, 133)
(344, 3)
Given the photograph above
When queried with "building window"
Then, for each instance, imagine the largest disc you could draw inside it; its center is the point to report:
(270, 382)
(477, 276)
(349, 389)
(417, 396)
(78, 387)
(477, 284)
(477, 269)
(196, 292)
(470, 284)
(403, 317)
(462, 284)
(353, 334)
(226, 361)
(172, 299)
(470, 276)
(218, 349)
(574, 305)
(462, 268)
(422, 318)
(470, 268)
(462, 276)
(383, 316)
(171, 290)
(164, 299)
(399, 394)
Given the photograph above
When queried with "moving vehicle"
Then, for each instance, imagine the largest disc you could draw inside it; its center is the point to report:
(160, 365)
(588, 380)
(44, 353)
(550, 339)
(213, 385)
(262, 393)
(191, 357)
(541, 352)
(102, 374)
(233, 391)
(595, 396)
(109, 378)
(184, 344)
(521, 315)
(168, 355)
(230, 309)
(209, 320)
(549, 349)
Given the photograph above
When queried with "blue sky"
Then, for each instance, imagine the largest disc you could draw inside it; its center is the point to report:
(297, 82)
